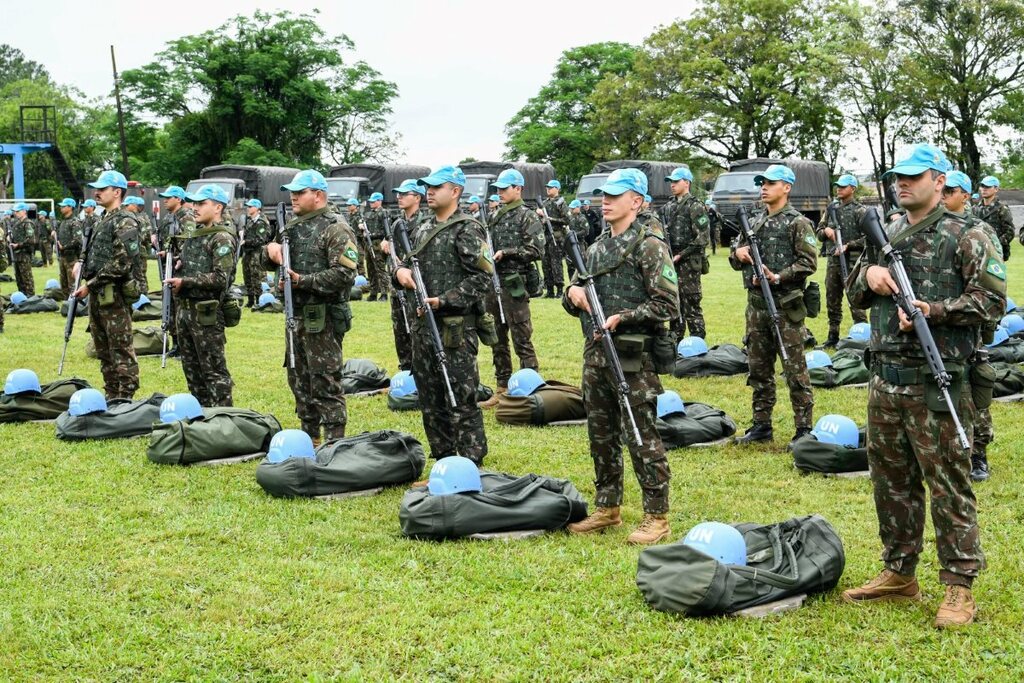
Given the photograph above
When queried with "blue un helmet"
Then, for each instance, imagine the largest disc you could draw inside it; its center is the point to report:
(524, 382)
(454, 474)
(1011, 305)
(18, 298)
(264, 287)
(838, 430)
(669, 403)
(86, 402)
(361, 281)
(22, 381)
(691, 346)
(1013, 323)
(143, 300)
(1000, 336)
(402, 384)
(720, 541)
(266, 299)
(860, 332)
(291, 443)
(180, 407)
(818, 359)
(52, 284)
(270, 278)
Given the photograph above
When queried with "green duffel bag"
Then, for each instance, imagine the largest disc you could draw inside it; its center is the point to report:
(81, 308)
(811, 455)
(551, 402)
(412, 401)
(801, 555)
(847, 368)
(34, 304)
(219, 433)
(1010, 351)
(851, 344)
(54, 293)
(274, 306)
(722, 360)
(47, 405)
(507, 503)
(355, 294)
(1009, 380)
(121, 420)
(154, 310)
(147, 341)
(355, 463)
(701, 424)
(359, 374)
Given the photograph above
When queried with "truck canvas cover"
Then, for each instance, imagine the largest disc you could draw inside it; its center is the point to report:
(657, 186)
(537, 177)
(262, 182)
(381, 178)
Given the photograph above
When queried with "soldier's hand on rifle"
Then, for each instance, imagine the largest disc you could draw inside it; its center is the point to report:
(830, 233)
(294, 276)
(675, 259)
(404, 277)
(880, 281)
(743, 255)
(432, 301)
(612, 321)
(81, 292)
(175, 283)
(498, 255)
(385, 246)
(905, 324)
(578, 296)
(274, 252)
(768, 274)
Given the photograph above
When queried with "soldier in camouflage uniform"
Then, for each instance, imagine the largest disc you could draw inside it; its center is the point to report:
(44, 241)
(596, 221)
(409, 196)
(69, 240)
(493, 204)
(688, 234)
(23, 241)
(140, 238)
(649, 219)
(714, 224)
(323, 268)
(789, 252)
(558, 214)
(90, 219)
(995, 213)
(960, 284)
(3, 264)
(849, 211)
(377, 272)
(108, 282)
(579, 225)
(355, 221)
(516, 236)
(473, 209)
(178, 214)
(636, 285)
(456, 266)
(256, 234)
(199, 284)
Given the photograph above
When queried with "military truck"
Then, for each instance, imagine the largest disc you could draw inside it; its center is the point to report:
(243, 183)
(359, 181)
(659, 188)
(480, 175)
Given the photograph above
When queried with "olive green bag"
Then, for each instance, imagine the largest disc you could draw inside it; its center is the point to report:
(412, 401)
(701, 424)
(847, 368)
(47, 405)
(152, 311)
(121, 420)
(1009, 379)
(147, 341)
(359, 375)
(722, 360)
(811, 455)
(34, 304)
(551, 402)
(219, 433)
(81, 308)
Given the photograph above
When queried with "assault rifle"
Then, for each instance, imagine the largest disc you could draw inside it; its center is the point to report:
(56, 243)
(371, 265)
(426, 311)
(168, 298)
(69, 324)
(389, 234)
(766, 290)
(833, 216)
(549, 231)
(290, 323)
(495, 278)
(889, 199)
(155, 237)
(904, 298)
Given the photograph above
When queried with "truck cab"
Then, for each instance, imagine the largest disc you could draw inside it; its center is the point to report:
(235, 187)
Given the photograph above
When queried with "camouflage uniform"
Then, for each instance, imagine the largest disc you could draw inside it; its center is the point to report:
(689, 234)
(132, 236)
(456, 267)
(634, 277)
(517, 233)
(45, 227)
(999, 217)
(579, 225)
(3, 264)
(376, 221)
(403, 339)
(69, 236)
(955, 268)
(23, 233)
(558, 213)
(650, 220)
(849, 215)
(185, 227)
(596, 225)
(112, 289)
(788, 248)
(355, 222)
(207, 266)
(323, 253)
(257, 234)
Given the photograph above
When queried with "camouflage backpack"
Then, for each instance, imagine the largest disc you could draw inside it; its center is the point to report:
(847, 368)
(36, 303)
(551, 402)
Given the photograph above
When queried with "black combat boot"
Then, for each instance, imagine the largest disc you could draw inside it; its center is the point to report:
(550, 294)
(558, 292)
(833, 337)
(800, 432)
(979, 466)
(759, 431)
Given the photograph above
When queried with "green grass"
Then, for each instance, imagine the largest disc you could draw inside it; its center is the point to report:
(112, 568)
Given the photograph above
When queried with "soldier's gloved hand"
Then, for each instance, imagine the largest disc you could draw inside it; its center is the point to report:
(905, 324)
(880, 281)
(743, 255)
(578, 297)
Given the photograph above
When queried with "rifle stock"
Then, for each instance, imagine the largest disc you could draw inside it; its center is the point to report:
(833, 215)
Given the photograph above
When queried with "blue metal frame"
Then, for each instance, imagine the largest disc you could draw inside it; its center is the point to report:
(18, 150)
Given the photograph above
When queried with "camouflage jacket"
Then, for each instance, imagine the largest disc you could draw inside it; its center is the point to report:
(331, 249)
(69, 235)
(186, 225)
(516, 231)
(109, 261)
(787, 247)
(23, 234)
(650, 220)
(257, 233)
(850, 215)
(999, 217)
(579, 224)
(4, 265)
(558, 212)
(688, 227)
(207, 263)
(375, 222)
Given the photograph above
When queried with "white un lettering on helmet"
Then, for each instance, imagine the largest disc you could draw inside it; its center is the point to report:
(700, 535)
(830, 426)
(440, 467)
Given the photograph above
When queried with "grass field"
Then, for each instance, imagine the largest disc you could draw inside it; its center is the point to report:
(112, 568)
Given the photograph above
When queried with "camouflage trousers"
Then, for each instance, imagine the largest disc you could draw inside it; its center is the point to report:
(46, 250)
(253, 274)
(450, 431)
(691, 314)
(66, 268)
(377, 270)
(984, 433)
(315, 380)
(23, 273)
(909, 446)
(608, 426)
(552, 265)
(202, 355)
(762, 350)
(835, 295)
(403, 340)
(519, 326)
(111, 329)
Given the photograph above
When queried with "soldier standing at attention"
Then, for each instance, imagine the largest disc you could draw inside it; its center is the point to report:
(451, 249)
(90, 218)
(516, 236)
(323, 268)
(558, 213)
(790, 256)
(409, 195)
(136, 241)
(355, 223)
(69, 241)
(23, 241)
(650, 220)
(960, 283)
(473, 208)
(849, 211)
(578, 224)
(688, 230)
(636, 285)
(199, 285)
(108, 282)
(995, 213)
(493, 204)
(177, 210)
(43, 232)
(376, 218)
(257, 234)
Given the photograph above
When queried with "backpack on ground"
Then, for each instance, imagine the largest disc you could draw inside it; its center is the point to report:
(154, 310)
(219, 433)
(847, 368)
(47, 405)
(701, 424)
(1010, 351)
(36, 303)
(412, 401)
(721, 360)
(359, 374)
(551, 402)
(81, 308)
(1009, 380)
(811, 455)
(121, 420)
(147, 341)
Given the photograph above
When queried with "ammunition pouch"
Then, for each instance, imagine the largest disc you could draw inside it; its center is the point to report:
(130, 290)
(812, 299)
(514, 284)
(534, 286)
(705, 264)
(486, 329)
(453, 331)
(232, 312)
(314, 318)
(983, 381)
(664, 352)
(105, 297)
(792, 304)
(630, 348)
(341, 318)
(206, 312)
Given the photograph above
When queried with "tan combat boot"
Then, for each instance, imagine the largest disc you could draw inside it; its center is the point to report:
(493, 400)
(957, 608)
(652, 529)
(887, 586)
(601, 519)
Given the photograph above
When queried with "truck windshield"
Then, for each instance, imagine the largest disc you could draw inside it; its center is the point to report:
(479, 186)
(589, 183)
(736, 182)
(342, 189)
(227, 185)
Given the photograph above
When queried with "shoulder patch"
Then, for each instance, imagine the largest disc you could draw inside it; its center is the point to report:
(669, 273)
(224, 250)
(809, 238)
(349, 255)
(996, 268)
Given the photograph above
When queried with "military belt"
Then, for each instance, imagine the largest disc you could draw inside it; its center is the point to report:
(901, 375)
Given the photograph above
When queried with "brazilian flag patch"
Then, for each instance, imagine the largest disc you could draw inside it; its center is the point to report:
(703, 219)
(811, 241)
(487, 254)
(996, 268)
(351, 254)
(224, 250)
(669, 273)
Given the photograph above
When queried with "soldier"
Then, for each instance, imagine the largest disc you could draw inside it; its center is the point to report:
(3, 261)
(456, 266)
(578, 224)
(107, 275)
(90, 218)
(636, 285)
(176, 210)
(995, 213)
(960, 283)
(849, 211)
(493, 204)
(323, 267)
(43, 232)
(200, 282)
(256, 235)
(650, 220)
(23, 241)
(595, 219)
(377, 271)
(558, 214)
(516, 236)
(140, 238)
(473, 208)
(714, 224)
(69, 241)
(688, 235)
(789, 252)
(409, 196)
(355, 221)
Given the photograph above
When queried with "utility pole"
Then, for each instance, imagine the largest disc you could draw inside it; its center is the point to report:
(120, 117)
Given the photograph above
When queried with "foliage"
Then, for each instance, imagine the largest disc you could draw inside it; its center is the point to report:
(14, 66)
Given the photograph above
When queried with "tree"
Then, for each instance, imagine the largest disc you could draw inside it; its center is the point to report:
(15, 67)
(555, 125)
